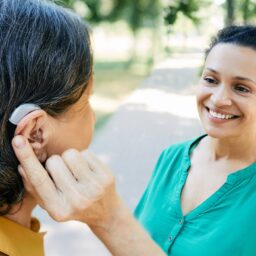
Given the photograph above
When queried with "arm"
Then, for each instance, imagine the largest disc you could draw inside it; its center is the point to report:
(93, 200)
(123, 236)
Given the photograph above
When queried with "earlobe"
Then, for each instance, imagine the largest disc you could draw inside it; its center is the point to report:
(34, 127)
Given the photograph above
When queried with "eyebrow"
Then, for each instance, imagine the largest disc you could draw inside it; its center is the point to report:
(236, 77)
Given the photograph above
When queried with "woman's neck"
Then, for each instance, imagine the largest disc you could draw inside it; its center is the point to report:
(21, 213)
(239, 148)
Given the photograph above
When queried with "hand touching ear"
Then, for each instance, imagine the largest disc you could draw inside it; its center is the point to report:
(73, 186)
(78, 186)
(33, 127)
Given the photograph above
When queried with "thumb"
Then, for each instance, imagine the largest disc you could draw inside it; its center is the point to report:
(23, 150)
(28, 160)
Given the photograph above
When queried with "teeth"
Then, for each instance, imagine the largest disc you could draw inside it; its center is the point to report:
(220, 116)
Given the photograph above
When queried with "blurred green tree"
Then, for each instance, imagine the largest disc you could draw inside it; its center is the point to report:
(140, 14)
(235, 10)
(188, 8)
(239, 11)
(248, 8)
(94, 15)
(230, 8)
(137, 13)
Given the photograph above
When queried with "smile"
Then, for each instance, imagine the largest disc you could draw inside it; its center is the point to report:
(221, 116)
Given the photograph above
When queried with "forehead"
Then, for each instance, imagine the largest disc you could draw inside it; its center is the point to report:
(232, 60)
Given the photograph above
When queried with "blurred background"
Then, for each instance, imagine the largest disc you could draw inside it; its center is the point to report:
(148, 57)
(130, 36)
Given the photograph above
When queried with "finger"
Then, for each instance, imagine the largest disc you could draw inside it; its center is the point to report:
(62, 176)
(77, 164)
(35, 174)
(26, 184)
(29, 188)
(94, 163)
(102, 173)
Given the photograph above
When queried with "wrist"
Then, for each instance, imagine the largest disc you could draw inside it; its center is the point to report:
(118, 214)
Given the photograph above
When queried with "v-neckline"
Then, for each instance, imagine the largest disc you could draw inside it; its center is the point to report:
(213, 198)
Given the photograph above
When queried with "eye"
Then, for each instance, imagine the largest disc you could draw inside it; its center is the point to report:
(242, 89)
(210, 80)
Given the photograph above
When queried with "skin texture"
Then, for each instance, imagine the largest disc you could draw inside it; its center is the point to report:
(227, 86)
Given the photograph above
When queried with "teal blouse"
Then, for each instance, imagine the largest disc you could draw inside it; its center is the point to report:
(222, 225)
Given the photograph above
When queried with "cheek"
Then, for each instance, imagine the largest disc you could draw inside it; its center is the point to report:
(87, 128)
(90, 119)
(203, 93)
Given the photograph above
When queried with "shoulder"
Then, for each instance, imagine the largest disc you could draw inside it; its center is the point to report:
(172, 159)
(25, 241)
(177, 149)
(175, 154)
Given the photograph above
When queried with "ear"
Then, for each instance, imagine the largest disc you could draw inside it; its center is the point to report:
(34, 127)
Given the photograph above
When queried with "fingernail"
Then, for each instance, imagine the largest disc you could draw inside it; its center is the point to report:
(19, 142)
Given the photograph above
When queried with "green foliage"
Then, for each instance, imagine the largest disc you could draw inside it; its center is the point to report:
(68, 3)
(188, 8)
(238, 12)
(235, 10)
(137, 13)
(170, 16)
(248, 8)
(230, 8)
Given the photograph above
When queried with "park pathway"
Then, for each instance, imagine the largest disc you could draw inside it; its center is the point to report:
(161, 111)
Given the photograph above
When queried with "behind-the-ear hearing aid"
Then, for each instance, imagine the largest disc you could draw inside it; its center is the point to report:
(17, 115)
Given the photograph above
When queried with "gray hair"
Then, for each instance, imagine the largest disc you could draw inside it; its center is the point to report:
(45, 59)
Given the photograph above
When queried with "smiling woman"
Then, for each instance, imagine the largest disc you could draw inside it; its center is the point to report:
(204, 188)
(227, 92)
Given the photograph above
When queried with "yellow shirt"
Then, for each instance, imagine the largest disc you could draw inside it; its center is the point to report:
(16, 240)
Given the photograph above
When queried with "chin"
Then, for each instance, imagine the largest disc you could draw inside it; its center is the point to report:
(218, 133)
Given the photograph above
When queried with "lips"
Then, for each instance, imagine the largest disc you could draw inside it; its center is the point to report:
(220, 114)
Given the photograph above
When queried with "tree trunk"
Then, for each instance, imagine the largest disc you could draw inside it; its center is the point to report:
(245, 9)
(230, 6)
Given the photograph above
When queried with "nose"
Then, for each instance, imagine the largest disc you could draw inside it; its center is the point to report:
(221, 96)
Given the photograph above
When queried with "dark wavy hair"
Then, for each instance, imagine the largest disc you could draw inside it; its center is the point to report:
(45, 59)
(237, 35)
